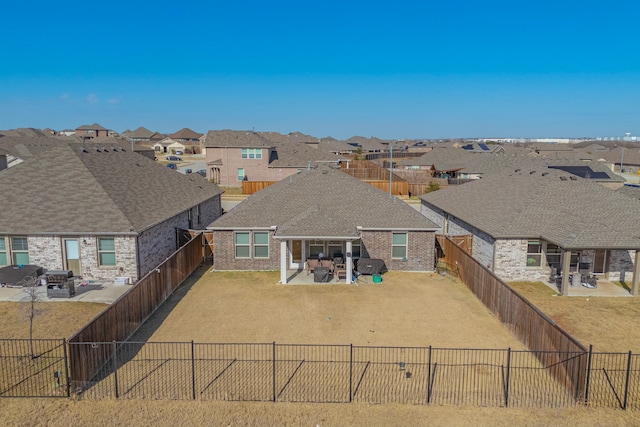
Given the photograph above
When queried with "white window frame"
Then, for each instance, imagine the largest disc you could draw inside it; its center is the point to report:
(260, 245)
(106, 251)
(3, 250)
(15, 251)
(534, 259)
(237, 245)
(404, 245)
(252, 153)
(240, 176)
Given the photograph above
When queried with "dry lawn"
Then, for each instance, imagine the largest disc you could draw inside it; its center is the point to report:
(610, 324)
(53, 319)
(64, 412)
(407, 309)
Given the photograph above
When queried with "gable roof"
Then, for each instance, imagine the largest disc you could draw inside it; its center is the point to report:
(298, 155)
(185, 133)
(140, 133)
(237, 139)
(573, 213)
(322, 203)
(94, 188)
(94, 126)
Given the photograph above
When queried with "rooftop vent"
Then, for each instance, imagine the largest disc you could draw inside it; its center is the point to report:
(563, 178)
(573, 178)
(97, 150)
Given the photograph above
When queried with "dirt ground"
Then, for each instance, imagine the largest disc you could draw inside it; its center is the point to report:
(53, 319)
(407, 309)
(610, 324)
(64, 412)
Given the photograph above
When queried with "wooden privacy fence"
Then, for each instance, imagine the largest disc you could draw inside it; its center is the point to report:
(126, 314)
(250, 187)
(537, 331)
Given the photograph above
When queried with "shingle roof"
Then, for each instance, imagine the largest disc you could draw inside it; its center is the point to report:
(140, 133)
(299, 154)
(77, 188)
(185, 133)
(233, 138)
(575, 214)
(94, 126)
(322, 202)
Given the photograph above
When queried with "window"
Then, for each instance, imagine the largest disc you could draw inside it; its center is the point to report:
(315, 248)
(261, 245)
(243, 245)
(335, 249)
(554, 253)
(20, 250)
(240, 174)
(251, 153)
(355, 249)
(534, 253)
(106, 252)
(3, 251)
(399, 245)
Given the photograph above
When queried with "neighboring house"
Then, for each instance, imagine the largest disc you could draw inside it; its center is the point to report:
(99, 210)
(168, 145)
(236, 156)
(191, 140)
(141, 135)
(67, 132)
(86, 132)
(523, 225)
(322, 210)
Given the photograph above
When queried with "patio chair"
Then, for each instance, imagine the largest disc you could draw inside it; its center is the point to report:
(341, 271)
(312, 263)
(328, 263)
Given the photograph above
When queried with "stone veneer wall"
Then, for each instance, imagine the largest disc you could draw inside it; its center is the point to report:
(155, 245)
(420, 250)
(224, 254)
(47, 251)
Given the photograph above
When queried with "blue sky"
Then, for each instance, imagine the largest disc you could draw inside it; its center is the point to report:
(402, 69)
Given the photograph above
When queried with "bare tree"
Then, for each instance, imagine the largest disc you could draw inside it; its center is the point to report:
(30, 286)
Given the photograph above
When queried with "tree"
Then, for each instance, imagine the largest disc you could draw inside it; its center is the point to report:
(433, 186)
(30, 286)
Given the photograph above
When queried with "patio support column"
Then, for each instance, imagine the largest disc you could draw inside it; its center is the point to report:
(283, 262)
(636, 274)
(566, 266)
(349, 263)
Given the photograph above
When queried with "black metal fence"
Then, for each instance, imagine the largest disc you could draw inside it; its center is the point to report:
(33, 368)
(321, 373)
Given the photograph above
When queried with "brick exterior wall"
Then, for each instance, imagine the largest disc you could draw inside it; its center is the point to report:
(224, 254)
(157, 243)
(620, 266)
(375, 244)
(254, 169)
(420, 250)
(154, 246)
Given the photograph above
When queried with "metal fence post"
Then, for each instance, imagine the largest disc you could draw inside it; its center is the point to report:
(351, 373)
(193, 371)
(506, 385)
(586, 392)
(114, 359)
(273, 382)
(429, 378)
(66, 367)
(626, 383)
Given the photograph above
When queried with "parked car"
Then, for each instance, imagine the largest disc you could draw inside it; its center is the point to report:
(202, 172)
(174, 158)
(172, 166)
(179, 153)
